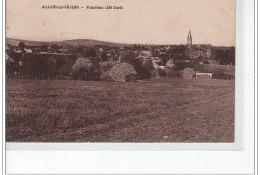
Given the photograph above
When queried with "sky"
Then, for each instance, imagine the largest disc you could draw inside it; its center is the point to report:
(140, 21)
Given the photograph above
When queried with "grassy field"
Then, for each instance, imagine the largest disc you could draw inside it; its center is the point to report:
(157, 110)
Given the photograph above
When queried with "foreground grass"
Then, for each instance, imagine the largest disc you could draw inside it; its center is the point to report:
(158, 110)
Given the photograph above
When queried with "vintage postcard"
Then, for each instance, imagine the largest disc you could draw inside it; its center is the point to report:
(120, 71)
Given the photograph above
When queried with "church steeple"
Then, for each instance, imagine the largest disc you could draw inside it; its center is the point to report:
(189, 40)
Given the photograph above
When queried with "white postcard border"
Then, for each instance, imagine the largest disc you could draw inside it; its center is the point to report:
(196, 162)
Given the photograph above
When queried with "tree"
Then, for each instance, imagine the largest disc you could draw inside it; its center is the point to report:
(50, 66)
(90, 52)
(233, 55)
(80, 49)
(226, 56)
(103, 56)
(55, 48)
(86, 69)
(11, 65)
(128, 56)
(64, 64)
(21, 45)
(219, 74)
(147, 68)
(135, 47)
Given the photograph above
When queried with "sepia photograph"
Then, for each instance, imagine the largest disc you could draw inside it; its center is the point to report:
(118, 71)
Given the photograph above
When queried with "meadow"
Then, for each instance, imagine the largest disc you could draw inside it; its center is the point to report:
(156, 110)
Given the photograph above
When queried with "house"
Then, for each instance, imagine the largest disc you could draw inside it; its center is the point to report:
(17, 50)
(198, 51)
(156, 59)
(203, 75)
(64, 50)
(158, 65)
(145, 53)
(161, 65)
(28, 50)
(170, 63)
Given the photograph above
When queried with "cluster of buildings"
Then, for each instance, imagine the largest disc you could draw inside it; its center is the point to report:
(159, 55)
(43, 49)
(197, 51)
(166, 55)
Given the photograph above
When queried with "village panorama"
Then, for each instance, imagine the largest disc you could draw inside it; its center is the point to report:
(94, 91)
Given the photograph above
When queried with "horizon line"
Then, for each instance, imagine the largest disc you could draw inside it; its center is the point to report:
(116, 42)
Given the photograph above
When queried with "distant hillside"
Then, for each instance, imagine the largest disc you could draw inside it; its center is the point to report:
(15, 42)
(75, 42)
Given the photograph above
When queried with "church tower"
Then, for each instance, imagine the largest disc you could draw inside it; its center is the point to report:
(189, 40)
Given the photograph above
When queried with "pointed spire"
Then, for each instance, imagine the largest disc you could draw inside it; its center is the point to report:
(189, 34)
(189, 40)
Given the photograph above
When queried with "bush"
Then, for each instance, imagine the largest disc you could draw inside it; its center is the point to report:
(143, 69)
(172, 73)
(86, 69)
(161, 72)
(182, 65)
(105, 66)
(148, 68)
(154, 73)
(218, 74)
(64, 65)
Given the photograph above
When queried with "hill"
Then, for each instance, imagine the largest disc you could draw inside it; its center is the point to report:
(75, 42)
(15, 42)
